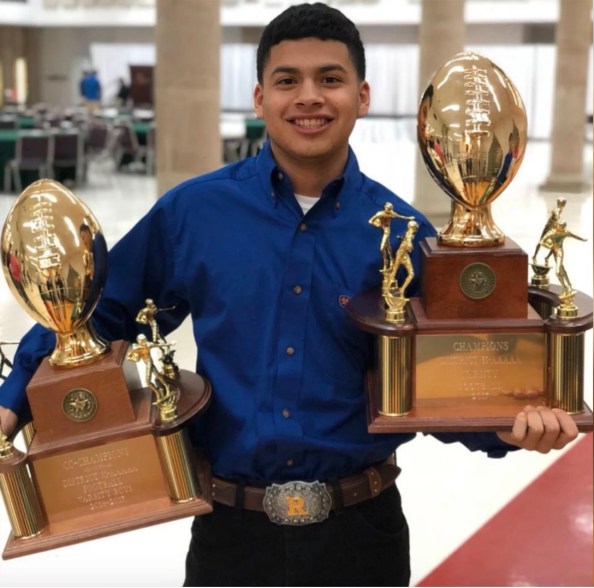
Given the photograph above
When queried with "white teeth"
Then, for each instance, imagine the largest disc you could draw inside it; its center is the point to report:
(310, 122)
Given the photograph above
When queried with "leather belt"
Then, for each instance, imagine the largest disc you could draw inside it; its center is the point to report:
(353, 490)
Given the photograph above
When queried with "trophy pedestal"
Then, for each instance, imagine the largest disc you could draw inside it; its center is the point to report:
(121, 469)
(438, 375)
(85, 400)
(452, 419)
(483, 282)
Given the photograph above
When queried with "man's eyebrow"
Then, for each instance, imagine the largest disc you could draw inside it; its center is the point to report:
(333, 67)
(322, 69)
(284, 69)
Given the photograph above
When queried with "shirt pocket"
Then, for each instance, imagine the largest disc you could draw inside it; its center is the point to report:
(344, 352)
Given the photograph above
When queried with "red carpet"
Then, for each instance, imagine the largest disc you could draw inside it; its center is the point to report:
(543, 537)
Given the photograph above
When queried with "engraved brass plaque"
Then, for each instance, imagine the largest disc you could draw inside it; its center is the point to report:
(99, 479)
(484, 367)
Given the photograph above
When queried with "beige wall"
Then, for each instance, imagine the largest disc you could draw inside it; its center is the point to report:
(57, 55)
(65, 53)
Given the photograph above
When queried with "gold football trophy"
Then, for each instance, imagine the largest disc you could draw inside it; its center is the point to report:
(479, 343)
(103, 453)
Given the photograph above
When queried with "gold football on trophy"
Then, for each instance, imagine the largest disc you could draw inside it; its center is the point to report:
(54, 258)
(472, 131)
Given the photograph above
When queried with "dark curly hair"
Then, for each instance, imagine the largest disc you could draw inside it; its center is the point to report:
(311, 20)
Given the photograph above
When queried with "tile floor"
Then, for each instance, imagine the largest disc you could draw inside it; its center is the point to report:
(449, 494)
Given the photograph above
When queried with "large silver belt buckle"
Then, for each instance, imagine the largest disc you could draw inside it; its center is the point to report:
(297, 503)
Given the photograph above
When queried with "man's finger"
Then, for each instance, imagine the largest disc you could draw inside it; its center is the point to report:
(520, 427)
(552, 429)
(535, 428)
(568, 428)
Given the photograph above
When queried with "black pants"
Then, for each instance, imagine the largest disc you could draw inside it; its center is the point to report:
(362, 545)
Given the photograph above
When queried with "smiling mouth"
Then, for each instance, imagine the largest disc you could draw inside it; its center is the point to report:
(311, 123)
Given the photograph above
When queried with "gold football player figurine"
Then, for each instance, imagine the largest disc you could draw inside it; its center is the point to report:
(162, 383)
(402, 258)
(554, 217)
(165, 391)
(148, 316)
(392, 292)
(382, 220)
(553, 241)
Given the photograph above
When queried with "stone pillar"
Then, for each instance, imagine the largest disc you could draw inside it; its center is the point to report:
(574, 36)
(441, 35)
(12, 47)
(187, 90)
(33, 55)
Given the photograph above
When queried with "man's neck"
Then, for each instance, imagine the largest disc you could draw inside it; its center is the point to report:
(310, 176)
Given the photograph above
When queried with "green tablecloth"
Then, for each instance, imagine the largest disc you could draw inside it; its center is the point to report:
(141, 129)
(254, 128)
(26, 122)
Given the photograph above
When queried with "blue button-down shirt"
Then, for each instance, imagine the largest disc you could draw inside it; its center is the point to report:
(266, 287)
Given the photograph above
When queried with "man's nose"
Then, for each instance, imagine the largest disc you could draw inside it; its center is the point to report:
(309, 93)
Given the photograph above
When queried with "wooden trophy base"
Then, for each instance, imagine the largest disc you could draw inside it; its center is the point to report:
(151, 511)
(67, 403)
(459, 417)
(481, 282)
(445, 375)
(102, 480)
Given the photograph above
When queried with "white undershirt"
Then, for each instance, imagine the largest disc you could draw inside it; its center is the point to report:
(306, 202)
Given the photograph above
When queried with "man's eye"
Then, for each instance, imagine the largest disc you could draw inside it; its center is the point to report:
(331, 80)
(285, 81)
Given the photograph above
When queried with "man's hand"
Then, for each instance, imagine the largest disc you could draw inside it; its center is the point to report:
(8, 420)
(541, 429)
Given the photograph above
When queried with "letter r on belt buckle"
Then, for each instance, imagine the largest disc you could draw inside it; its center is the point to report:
(297, 503)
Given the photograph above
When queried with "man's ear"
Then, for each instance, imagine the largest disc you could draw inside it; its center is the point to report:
(364, 98)
(258, 98)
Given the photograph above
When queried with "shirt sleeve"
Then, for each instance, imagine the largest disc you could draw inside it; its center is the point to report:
(143, 264)
(33, 347)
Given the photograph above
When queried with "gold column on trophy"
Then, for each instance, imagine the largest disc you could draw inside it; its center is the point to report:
(24, 512)
(396, 384)
(181, 478)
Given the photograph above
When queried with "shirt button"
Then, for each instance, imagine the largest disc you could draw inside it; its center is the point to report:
(290, 350)
(280, 175)
(290, 462)
(286, 413)
(303, 227)
(297, 289)
(338, 205)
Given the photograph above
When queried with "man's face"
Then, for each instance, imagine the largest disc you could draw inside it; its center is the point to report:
(310, 98)
(87, 239)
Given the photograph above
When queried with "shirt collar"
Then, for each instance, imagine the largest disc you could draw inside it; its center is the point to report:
(276, 183)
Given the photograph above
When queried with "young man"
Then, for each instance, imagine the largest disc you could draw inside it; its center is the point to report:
(264, 254)
(90, 88)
